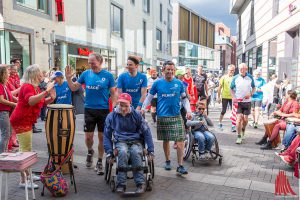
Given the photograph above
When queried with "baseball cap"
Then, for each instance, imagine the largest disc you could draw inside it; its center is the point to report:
(179, 72)
(125, 98)
(57, 74)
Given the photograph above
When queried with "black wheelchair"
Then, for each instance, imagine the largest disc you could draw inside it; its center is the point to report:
(191, 146)
(147, 167)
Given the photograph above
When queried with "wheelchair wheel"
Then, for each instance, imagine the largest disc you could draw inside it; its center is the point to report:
(187, 145)
(215, 150)
(112, 185)
(108, 169)
(149, 183)
(151, 168)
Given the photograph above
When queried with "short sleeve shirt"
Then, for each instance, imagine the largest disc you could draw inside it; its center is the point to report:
(225, 83)
(63, 93)
(133, 86)
(199, 81)
(98, 87)
(242, 85)
(168, 96)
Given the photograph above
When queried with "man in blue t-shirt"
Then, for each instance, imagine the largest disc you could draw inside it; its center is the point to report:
(133, 83)
(99, 85)
(63, 92)
(257, 97)
(170, 127)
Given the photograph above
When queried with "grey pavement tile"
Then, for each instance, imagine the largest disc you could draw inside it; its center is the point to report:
(238, 183)
(215, 180)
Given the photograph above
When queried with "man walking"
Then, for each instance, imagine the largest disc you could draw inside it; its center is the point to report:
(242, 88)
(99, 84)
(170, 127)
(200, 80)
(224, 94)
(133, 82)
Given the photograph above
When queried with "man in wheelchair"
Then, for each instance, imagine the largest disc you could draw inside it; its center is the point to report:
(129, 131)
(199, 123)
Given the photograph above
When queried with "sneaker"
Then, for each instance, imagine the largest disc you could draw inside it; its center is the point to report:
(35, 178)
(181, 170)
(99, 168)
(255, 125)
(243, 134)
(233, 129)
(220, 126)
(168, 166)
(239, 140)
(140, 189)
(120, 189)
(89, 159)
(22, 185)
(202, 156)
(208, 155)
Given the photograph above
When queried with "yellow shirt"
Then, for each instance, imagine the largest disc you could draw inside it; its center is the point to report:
(225, 82)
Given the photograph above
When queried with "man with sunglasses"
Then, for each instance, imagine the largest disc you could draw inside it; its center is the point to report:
(170, 126)
(133, 82)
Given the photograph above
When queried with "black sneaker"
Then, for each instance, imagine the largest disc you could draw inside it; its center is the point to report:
(89, 158)
(140, 189)
(99, 168)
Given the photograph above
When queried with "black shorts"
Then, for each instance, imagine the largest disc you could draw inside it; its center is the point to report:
(154, 102)
(244, 108)
(225, 103)
(256, 104)
(93, 117)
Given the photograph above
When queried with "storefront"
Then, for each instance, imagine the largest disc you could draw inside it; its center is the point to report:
(15, 45)
(77, 57)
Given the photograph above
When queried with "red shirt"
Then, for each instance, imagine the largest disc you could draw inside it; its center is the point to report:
(290, 107)
(2, 92)
(14, 80)
(24, 115)
(190, 83)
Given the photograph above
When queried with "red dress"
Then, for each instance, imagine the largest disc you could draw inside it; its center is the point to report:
(24, 115)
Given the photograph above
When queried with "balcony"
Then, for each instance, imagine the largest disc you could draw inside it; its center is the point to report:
(236, 5)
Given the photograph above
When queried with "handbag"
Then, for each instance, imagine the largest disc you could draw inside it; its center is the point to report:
(53, 179)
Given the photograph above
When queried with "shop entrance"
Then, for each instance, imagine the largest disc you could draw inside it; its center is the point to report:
(78, 63)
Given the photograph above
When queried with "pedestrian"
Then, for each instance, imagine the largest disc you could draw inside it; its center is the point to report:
(63, 92)
(150, 82)
(99, 85)
(27, 111)
(224, 95)
(242, 88)
(6, 106)
(133, 82)
(189, 80)
(200, 80)
(170, 126)
(128, 141)
(257, 97)
(14, 77)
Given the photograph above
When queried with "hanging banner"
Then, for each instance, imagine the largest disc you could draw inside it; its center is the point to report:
(60, 11)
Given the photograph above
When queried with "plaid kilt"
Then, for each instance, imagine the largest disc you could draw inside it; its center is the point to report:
(170, 128)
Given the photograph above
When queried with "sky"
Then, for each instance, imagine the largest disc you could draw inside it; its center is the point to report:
(213, 10)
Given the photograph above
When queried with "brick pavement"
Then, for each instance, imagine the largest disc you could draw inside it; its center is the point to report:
(246, 173)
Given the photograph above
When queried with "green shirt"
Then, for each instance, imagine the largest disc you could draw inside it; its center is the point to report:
(225, 82)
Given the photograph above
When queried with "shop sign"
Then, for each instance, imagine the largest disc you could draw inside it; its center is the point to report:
(84, 51)
(60, 10)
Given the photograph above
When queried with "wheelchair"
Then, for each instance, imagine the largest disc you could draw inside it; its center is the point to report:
(147, 168)
(191, 146)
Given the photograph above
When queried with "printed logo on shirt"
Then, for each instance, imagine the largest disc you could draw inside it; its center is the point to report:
(131, 90)
(168, 95)
(141, 82)
(175, 87)
(93, 87)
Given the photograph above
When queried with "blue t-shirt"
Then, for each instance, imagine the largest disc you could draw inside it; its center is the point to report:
(168, 96)
(258, 96)
(63, 93)
(97, 88)
(133, 86)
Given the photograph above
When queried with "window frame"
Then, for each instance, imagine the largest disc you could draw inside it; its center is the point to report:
(160, 45)
(121, 35)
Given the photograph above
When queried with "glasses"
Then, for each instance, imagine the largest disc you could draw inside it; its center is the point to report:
(201, 108)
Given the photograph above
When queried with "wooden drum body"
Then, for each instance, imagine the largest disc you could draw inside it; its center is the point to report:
(269, 126)
(60, 130)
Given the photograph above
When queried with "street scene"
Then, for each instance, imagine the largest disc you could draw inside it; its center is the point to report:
(146, 99)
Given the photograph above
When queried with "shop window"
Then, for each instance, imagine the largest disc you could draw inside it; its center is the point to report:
(116, 21)
(158, 40)
(39, 5)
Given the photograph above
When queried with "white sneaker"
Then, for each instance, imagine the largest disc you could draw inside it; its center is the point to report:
(22, 185)
(35, 178)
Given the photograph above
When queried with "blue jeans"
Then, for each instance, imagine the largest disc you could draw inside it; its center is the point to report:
(289, 135)
(205, 140)
(133, 152)
(5, 129)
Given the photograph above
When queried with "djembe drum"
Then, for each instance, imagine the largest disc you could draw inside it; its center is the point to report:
(60, 130)
(269, 125)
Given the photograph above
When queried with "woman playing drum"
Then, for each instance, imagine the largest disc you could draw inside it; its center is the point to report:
(288, 109)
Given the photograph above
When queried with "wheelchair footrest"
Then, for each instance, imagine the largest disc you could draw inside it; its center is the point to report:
(133, 169)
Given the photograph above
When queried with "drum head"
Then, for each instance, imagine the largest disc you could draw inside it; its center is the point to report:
(60, 106)
(270, 121)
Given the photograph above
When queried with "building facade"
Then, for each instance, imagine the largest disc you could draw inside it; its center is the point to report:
(226, 44)
(268, 36)
(58, 32)
(193, 39)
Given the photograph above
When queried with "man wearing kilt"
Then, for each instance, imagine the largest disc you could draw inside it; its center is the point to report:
(170, 125)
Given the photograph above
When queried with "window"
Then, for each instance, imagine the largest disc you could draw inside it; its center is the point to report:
(252, 18)
(116, 21)
(158, 40)
(146, 6)
(169, 20)
(203, 32)
(91, 14)
(250, 61)
(184, 28)
(169, 36)
(272, 58)
(144, 33)
(259, 56)
(160, 13)
(275, 7)
(39, 5)
(240, 30)
(195, 29)
(132, 1)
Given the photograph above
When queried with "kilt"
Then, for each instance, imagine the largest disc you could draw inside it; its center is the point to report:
(170, 128)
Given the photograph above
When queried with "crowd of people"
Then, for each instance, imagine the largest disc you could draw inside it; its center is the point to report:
(176, 99)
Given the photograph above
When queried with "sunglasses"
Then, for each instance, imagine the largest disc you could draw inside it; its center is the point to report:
(201, 108)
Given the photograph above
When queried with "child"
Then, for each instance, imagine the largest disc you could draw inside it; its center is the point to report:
(199, 123)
